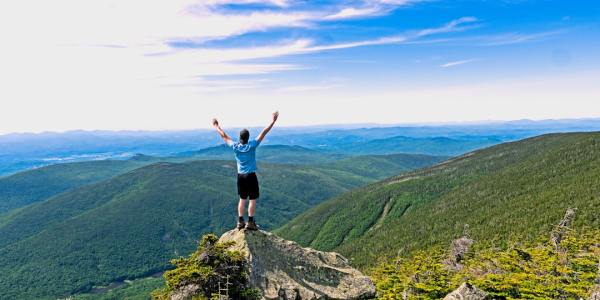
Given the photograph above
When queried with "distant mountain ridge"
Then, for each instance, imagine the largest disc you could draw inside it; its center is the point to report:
(288, 154)
(25, 151)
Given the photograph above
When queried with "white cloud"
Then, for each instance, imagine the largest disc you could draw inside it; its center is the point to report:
(309, 88)
(458, 63)
(352, 12)
(369, 8)
(452, 26)
(69, 64)
(280, 3)
(131, 22)
(397, 2)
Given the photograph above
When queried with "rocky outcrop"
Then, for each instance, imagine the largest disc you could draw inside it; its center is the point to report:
(467, 292)
(561, 229)
(283, 269)
(458, 251)
(186, 292)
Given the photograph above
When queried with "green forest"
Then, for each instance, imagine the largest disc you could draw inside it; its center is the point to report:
(397, 230)
(129, 226)
(510, 192)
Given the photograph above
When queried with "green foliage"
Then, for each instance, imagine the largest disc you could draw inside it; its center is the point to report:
(423, 276)
(513, 191)
(139, 289)
(537, 271)
(129, 226)
(212, 266)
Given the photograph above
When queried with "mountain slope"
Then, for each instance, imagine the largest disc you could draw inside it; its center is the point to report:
(383, 166)
(513, 191)
(35, 185)
(129, 226)
(423, 145)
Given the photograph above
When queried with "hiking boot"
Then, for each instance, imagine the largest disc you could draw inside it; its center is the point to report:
(251, 226)
(241, 225)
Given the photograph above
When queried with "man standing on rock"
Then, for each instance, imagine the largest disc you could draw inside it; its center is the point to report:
(247, 183)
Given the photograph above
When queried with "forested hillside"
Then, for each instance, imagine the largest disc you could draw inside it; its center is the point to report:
(35, 185)
(131, 225)
(448, 146)
(39, 184)
(513, 191)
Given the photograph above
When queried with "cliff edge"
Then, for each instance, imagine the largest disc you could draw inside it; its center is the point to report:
(283, 269)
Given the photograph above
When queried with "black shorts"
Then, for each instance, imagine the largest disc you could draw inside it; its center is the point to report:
(247, 185)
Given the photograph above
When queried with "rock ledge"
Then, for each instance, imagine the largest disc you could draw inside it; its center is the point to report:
(283, 269)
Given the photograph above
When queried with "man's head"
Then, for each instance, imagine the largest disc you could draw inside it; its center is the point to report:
(244, 136)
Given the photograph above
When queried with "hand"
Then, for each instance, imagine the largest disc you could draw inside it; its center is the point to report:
(215, 122)
(275, 116)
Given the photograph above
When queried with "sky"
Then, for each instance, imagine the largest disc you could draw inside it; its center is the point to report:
(176, 64)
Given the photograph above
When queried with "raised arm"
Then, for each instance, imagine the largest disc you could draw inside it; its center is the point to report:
(222, 133)
(262, 135)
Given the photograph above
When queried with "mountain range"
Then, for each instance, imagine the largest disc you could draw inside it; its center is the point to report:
(70, 228)
(22, 151)
(96, 231)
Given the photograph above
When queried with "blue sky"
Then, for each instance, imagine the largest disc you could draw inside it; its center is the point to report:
(130, 64)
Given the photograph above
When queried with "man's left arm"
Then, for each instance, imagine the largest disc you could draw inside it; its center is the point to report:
(262, 135)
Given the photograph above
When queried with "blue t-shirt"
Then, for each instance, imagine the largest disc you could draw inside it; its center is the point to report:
(245, 155)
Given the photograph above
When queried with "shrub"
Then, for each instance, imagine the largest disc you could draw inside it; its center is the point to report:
(211, 266)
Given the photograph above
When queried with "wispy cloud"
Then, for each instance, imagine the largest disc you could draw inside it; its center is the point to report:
(517, 38)
(301, 46)
(452, 26)
(353, 12)
(280, 3)
(309, 88)
(369, 8)
(494, 39)
(458, 63)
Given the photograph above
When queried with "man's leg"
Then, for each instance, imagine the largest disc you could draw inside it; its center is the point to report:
(252, 208)
(240, 222)
(241, 206)
(253, 194)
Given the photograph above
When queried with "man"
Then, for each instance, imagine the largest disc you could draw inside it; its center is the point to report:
(247, 183)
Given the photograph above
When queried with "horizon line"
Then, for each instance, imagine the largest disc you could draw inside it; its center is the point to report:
(324, 126)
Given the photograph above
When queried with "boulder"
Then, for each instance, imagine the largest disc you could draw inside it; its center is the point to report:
(283, 269)
(467, 292)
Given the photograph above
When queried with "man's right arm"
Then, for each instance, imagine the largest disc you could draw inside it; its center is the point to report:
(222, 133)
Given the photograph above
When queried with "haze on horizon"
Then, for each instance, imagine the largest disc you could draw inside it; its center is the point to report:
(130, 64)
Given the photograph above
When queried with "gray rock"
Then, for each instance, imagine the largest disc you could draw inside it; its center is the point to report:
(467, 292)
(558, 233)
(458, 251)
(284, 270)
(185, 293)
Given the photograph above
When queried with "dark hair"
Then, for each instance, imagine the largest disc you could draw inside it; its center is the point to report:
(244, 136)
